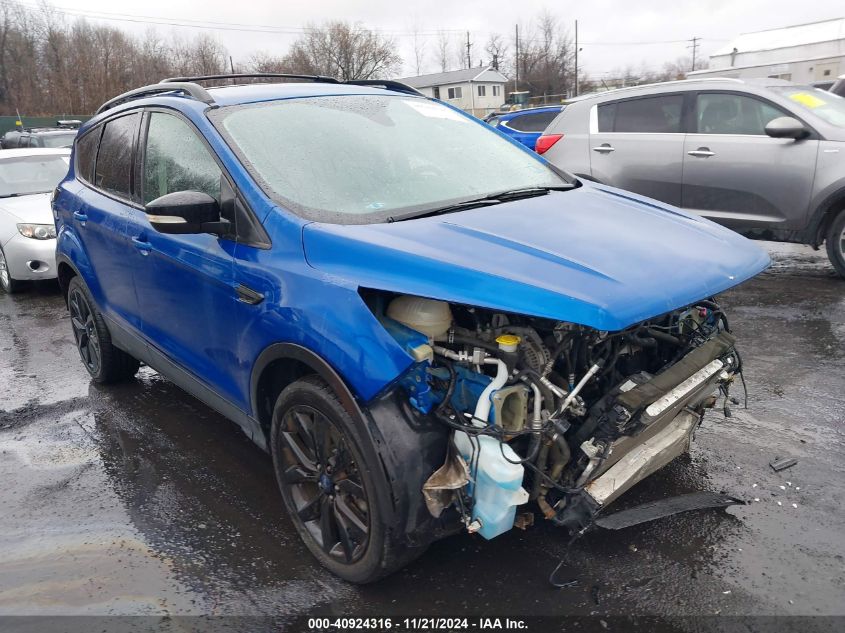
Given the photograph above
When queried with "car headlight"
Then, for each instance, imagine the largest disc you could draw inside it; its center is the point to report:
(38, 231)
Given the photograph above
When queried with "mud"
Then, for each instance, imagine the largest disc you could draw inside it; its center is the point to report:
(140, 500)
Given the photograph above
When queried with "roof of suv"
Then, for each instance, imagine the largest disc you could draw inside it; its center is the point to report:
(684, 84)
(255, 93)
(231, 93)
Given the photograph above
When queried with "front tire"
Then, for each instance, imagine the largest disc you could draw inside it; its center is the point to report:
(335, 497)
(104, 362)
(7, 284)
(836, 243)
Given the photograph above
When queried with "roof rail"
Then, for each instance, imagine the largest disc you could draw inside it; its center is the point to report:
(315, 78)
(385, 83)
(188, 86)
(194, 90)
(389, 84)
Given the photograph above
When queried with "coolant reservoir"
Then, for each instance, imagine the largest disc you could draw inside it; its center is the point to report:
(432, 318)
(497, 483)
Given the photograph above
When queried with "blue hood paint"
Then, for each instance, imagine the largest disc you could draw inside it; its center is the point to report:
(594, 255)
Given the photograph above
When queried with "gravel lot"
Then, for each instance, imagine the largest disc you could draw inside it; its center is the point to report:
(140, 500)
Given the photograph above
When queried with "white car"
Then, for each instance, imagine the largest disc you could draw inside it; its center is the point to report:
(27, 230)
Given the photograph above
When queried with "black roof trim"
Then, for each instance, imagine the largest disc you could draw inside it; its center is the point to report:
(188, 86)
(194, 90)
(314, 78)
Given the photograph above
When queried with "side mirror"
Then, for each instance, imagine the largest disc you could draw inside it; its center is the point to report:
(787, 127)
(184, 212)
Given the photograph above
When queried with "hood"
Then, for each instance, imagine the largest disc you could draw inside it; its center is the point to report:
(593, 255)
(33, 209)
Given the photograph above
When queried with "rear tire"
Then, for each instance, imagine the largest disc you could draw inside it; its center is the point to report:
(836, 243)
(334, 496)
(104, 362)
(7, 284)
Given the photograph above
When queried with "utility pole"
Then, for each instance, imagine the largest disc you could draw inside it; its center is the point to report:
(576, 58)
(516, 65)
(469, 46)
(694, 47)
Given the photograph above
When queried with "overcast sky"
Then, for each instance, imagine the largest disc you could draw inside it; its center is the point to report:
(612, 32)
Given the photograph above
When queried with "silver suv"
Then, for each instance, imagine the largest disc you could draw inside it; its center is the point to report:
(763, 157)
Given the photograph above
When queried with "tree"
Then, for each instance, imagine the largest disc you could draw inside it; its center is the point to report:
(343, 50)
(443, 47)
(497, 49)
(546, 58)
(419, 50)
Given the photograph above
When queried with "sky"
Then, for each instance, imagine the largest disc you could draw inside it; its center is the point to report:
(613, 34)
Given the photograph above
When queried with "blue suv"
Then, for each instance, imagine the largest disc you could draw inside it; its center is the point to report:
(425, 324)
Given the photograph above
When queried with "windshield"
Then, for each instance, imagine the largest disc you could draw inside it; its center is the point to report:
(359, 159)
(24, 175)
(825, 105)
(57, 140)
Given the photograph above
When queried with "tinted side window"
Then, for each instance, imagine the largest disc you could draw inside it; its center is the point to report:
(606, 116)
(532, 122)
(177, 160)
(114, 160)
(733, 114)
(656, 115)
(86, 153)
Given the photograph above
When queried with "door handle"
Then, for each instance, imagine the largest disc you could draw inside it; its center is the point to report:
(702, 152)
(248, 295)
(604, 148)
(78, 215)
(143, 246)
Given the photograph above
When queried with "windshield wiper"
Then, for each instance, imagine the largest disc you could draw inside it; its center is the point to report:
(486, 201)
(11, 195)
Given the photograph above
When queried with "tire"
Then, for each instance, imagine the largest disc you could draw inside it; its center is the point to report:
(836, 243)
(105, 363)
(336, 504)
(7, 284)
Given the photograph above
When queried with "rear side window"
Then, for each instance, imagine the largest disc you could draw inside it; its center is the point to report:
(536, 122)
(177, 160)
(726, 113)
(114, 160)
(654, 115)
(86, 153)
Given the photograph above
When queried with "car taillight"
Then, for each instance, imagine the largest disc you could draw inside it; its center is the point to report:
(545, 142)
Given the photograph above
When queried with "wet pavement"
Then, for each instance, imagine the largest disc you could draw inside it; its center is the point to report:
(138, 499)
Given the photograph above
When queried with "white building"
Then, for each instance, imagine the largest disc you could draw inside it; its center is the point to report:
(804, 53)
(476, 90)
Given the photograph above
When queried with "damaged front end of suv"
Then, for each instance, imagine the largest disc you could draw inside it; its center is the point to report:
(564, 363)
(557, 413)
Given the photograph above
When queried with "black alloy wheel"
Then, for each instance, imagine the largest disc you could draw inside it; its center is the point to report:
(85, 331)
(104, 362)
(324, 483)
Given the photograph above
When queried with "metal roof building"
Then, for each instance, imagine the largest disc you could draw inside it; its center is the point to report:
(477, 90)
(803, 53)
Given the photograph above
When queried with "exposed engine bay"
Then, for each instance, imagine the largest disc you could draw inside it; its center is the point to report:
(556, 413)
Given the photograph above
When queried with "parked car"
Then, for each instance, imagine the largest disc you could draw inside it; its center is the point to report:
(49, 137)
(10, 139)
(525, 126)
(27, 230)
(763, 157)
(353, 316)
(838, 87)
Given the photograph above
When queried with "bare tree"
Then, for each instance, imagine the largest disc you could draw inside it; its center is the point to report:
(497, 49)
(419, 50)
(443, 48)
(343, 50)
(546, 57)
